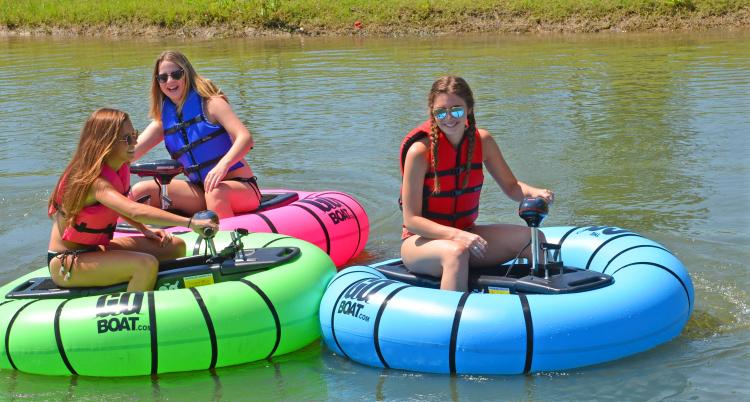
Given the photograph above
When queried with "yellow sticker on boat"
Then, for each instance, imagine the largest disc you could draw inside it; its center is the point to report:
(498, 291)
(198, 280)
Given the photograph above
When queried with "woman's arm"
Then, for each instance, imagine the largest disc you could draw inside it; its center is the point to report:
(500, 171)
(106, 194)
(151, 135)
(219, 111)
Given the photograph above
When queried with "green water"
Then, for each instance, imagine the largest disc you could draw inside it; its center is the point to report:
(647, 132)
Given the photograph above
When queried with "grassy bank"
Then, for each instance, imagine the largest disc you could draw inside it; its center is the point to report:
(253, 17)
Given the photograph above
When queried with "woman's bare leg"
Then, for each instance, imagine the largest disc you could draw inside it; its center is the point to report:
(446, 259)
(231, 197)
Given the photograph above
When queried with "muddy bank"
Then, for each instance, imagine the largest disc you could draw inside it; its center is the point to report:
(496, 23)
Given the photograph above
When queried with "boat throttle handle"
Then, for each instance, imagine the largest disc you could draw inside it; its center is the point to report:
(208, 234)
(533, 210)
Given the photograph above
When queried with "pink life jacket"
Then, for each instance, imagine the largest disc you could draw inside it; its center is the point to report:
(95, 224)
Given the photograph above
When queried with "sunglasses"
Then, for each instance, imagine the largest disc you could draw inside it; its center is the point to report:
(441, 113)
(176, 75)
(131, 139)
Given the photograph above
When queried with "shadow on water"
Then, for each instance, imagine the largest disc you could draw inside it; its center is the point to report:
(296, 376)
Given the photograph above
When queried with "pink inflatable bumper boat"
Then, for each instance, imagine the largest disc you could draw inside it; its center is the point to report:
(334, 221)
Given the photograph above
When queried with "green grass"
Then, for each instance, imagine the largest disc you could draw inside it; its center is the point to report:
(330, 14)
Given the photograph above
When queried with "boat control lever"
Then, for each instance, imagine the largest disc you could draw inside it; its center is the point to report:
(533, 210)
(208, 234)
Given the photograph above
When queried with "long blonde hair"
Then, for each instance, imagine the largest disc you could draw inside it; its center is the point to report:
(203, 86)
(98, 137)
(450, 84)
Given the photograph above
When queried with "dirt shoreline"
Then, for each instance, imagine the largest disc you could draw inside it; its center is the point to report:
(735, 21)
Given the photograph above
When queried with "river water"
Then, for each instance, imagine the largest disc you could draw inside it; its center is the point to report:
(644, 131)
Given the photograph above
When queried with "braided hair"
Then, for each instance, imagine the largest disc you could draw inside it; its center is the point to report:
(451, 84)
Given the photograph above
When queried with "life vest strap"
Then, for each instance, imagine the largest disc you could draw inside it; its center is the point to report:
(450, 217)
(453, 172)
(176, 155)
(453, 193)
(183, 124)
(81, 227)
(199, 166)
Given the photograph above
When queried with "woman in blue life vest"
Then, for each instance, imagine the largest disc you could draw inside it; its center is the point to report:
(441, 167)
(200, 130)
(84, 207)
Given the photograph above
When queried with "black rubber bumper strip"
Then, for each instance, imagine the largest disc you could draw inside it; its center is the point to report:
(322, 226)
(58, 338)
(376, 329)
(631, 248)
(529, 333)
(7, 332)
(268, 222)
(454, 332)
(359, 227)
(333, 313)
(684, 287)
(152, 329)
(273, 311)
(601, 246)
(209, 326)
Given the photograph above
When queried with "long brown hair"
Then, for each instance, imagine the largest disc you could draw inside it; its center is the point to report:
(203, 86)
(98, 137)
(451, 84)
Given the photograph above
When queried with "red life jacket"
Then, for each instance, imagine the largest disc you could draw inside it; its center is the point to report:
(95, 224)
(454, 205)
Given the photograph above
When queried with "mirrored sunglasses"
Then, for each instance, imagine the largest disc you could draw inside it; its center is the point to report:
(441, 113)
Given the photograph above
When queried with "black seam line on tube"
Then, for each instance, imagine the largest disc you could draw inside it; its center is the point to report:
(631, 248)
(454, 331)
(152, 329)
(5, 302)
(333, 314)
(7, 332)
(529, 332)
(273, 311)
(197, 246)
(601, 246)
(359, 227)
(349, 271)
(268, 222)
(565, 236)
(58, 338)
(684, 287)
(209, 325)
(322, 226)
(376, 329)
(275, 240)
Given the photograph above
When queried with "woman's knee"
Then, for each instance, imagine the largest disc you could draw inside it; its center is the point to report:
(454, 251)
(178, 247)
(144, 191)
(146, 265)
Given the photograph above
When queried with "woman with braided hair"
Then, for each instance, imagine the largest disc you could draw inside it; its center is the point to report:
(441, 167)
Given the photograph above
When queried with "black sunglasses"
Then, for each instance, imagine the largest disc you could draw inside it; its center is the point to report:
(131, 139)
(176, 75)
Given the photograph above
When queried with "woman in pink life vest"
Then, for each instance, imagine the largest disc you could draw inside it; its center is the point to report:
(86, 203)
(441, 165)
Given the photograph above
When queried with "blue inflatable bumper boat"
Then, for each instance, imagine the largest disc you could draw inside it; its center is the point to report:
(607, 293)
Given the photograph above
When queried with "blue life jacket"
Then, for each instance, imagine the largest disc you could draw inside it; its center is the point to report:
(192, 140)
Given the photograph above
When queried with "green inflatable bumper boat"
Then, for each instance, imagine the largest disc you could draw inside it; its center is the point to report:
(256, 298)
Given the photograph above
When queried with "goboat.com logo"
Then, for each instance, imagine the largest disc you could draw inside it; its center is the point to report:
(354, 300)
(121, 308)
(597, 231)
(332, 207)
